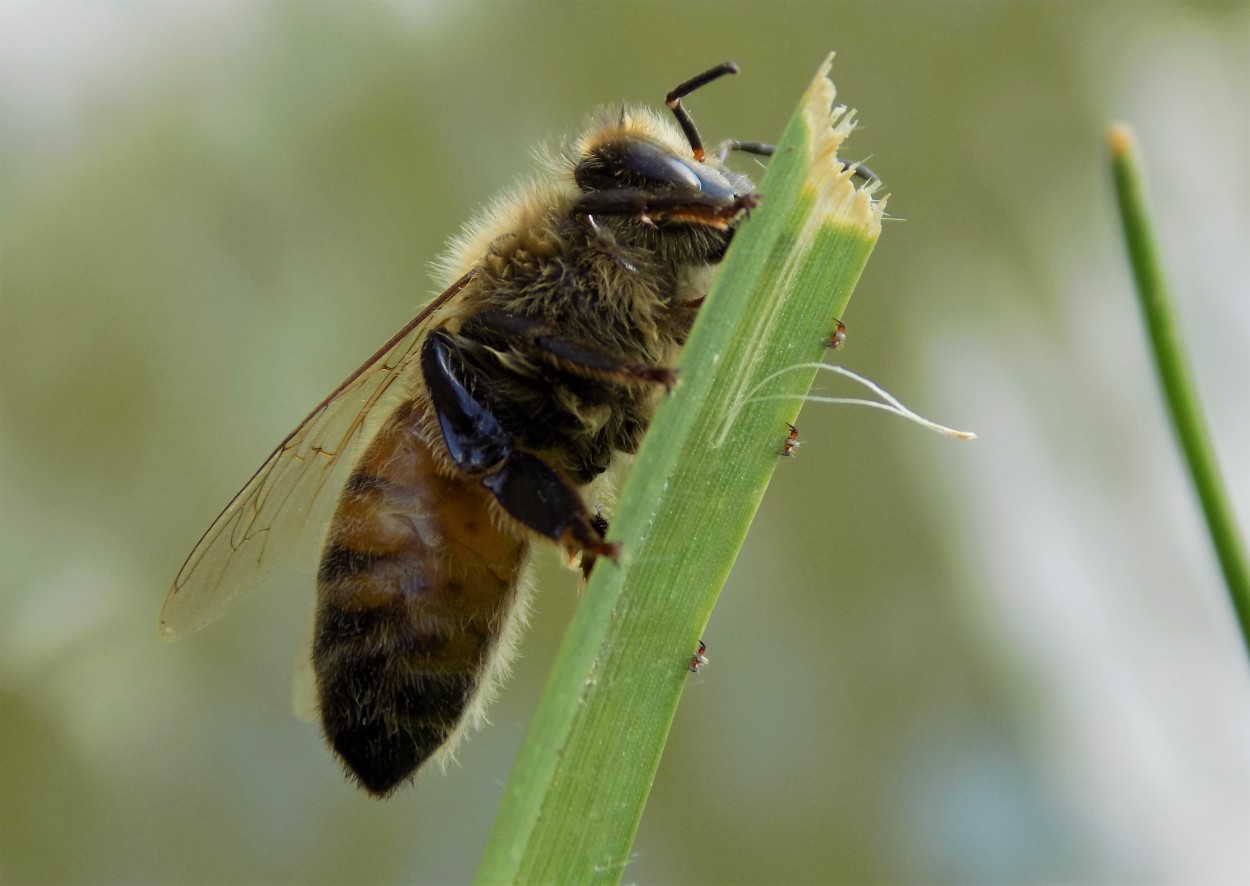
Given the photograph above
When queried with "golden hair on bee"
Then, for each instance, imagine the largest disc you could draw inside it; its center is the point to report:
(629, 121)
(478, 429)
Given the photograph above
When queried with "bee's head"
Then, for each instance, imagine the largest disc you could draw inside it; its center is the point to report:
(642, 152)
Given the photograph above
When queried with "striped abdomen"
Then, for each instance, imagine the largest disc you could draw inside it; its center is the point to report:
(415, 587)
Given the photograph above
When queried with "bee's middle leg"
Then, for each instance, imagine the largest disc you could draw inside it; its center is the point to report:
(507, 330)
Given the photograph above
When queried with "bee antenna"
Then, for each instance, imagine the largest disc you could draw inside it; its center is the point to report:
(673, 100)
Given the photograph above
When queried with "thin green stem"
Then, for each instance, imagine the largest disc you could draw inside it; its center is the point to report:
(1174, 376)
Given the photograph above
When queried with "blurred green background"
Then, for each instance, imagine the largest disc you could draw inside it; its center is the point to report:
(1010, 660)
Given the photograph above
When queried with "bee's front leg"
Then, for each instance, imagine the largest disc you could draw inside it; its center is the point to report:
(690, 207)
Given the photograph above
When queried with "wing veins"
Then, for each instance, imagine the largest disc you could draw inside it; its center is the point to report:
(237, 522)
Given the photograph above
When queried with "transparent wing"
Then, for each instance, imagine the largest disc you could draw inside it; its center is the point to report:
(297, 483)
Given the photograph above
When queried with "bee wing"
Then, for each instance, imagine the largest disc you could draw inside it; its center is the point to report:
(265, 520)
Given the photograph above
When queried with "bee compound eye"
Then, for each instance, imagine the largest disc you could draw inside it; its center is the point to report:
(634, 163)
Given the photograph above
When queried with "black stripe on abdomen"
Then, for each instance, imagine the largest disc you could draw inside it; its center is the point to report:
(340, 561)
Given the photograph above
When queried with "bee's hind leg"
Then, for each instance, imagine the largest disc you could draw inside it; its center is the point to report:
(528, 489)
(535, 495)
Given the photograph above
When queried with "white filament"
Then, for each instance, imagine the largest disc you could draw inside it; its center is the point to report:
(888, 401)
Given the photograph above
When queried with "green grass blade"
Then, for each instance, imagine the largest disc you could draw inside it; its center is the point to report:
(1178, 388)
(577, 791)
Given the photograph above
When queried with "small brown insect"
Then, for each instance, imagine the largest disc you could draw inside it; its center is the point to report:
(791, 442)
(698, 660)
(838, 337)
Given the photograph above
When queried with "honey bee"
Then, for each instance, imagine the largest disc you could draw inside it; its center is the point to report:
(478, 428)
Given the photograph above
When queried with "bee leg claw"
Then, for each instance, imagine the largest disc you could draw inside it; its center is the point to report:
(591, 553)
(606, 550)
(663, 376)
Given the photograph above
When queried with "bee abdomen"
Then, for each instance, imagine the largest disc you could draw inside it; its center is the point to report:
(417, 584)
(388, 701)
